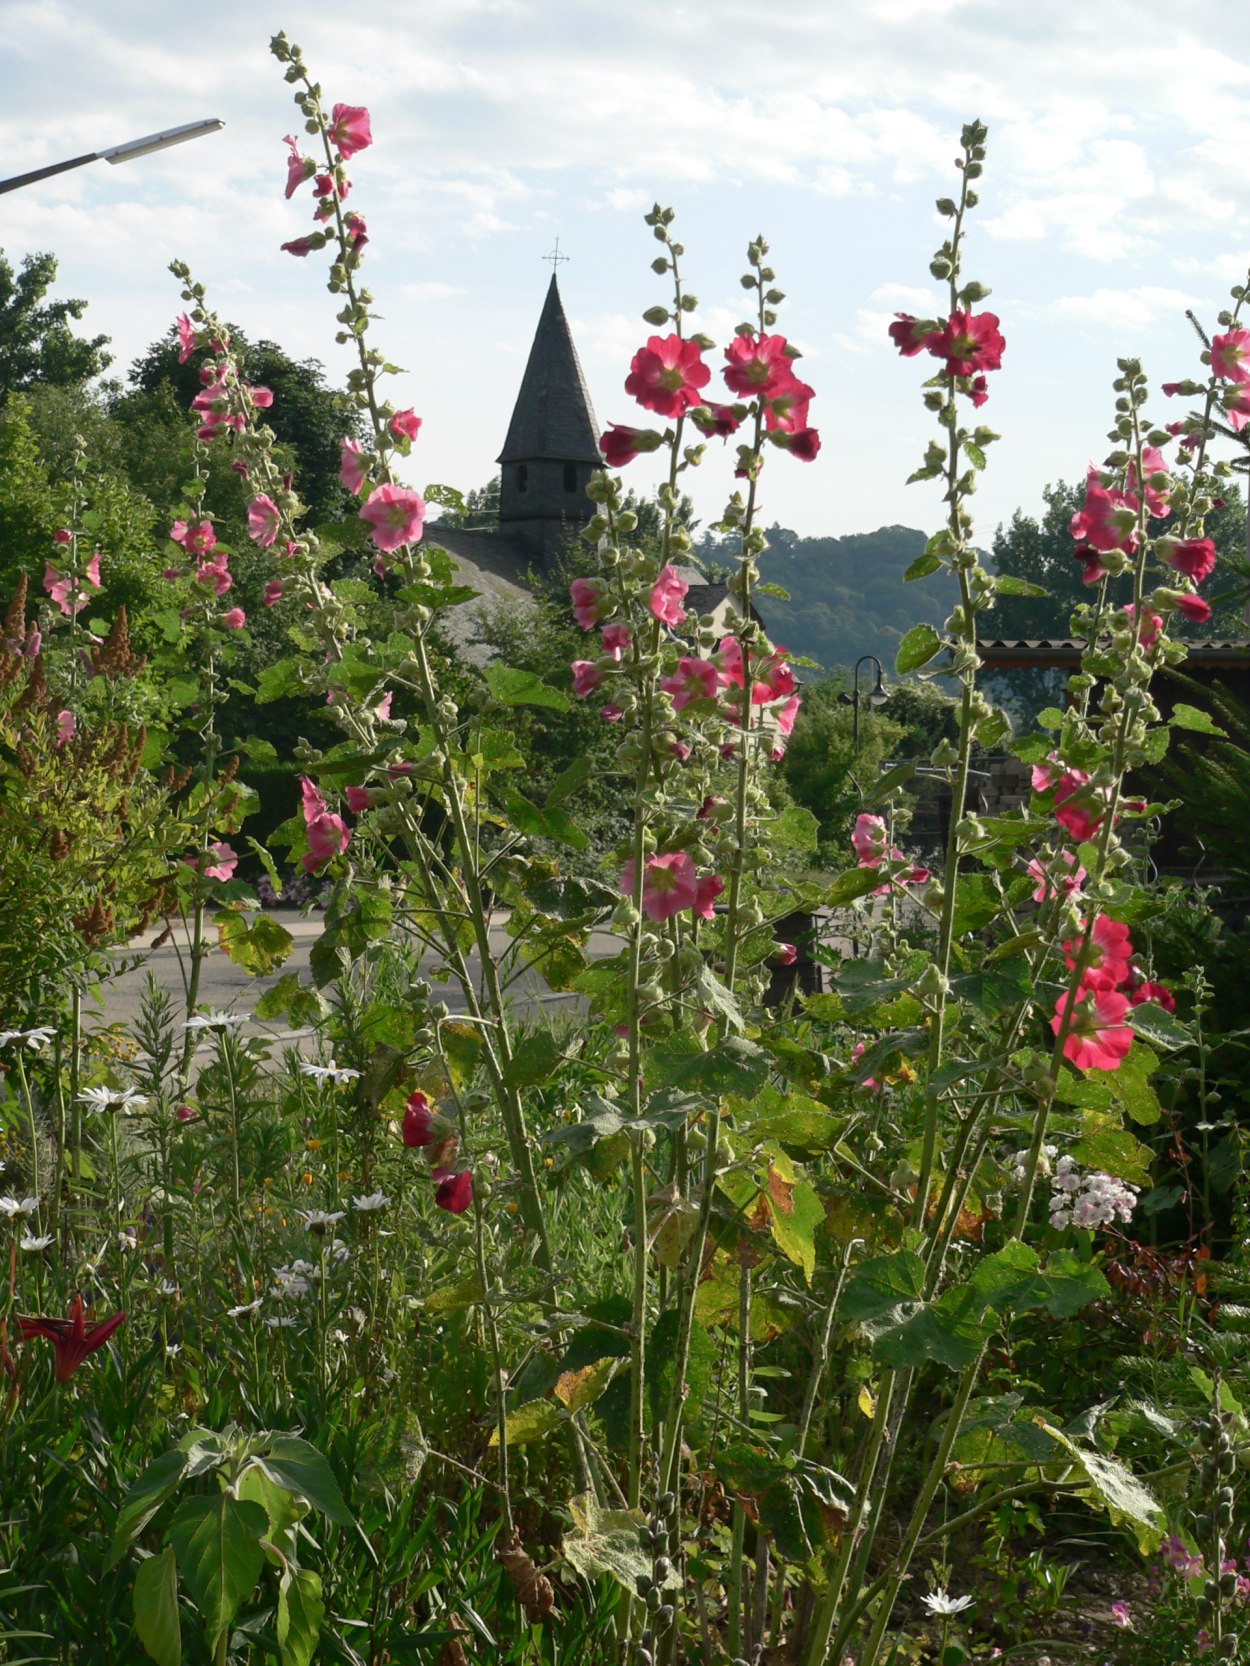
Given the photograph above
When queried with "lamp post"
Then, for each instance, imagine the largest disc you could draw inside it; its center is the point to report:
(119, 153)
(877, 696)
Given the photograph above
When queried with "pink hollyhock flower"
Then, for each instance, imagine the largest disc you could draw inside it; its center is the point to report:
(1092, 569)
(775, 679)
(1045, 775)
(298, 168)
(1156, 992)
(1195, 557)
(210, 397)
(1097, 1037)
(665, 376)
(72, 1339)
(351, 465)
(718, 421)
(1108, 519)
(1120, 1615)
(1077, 809)
(591, 602)
(1158, 483)
(713, 808)
(405, 425)
(969, 342)
(785, 954)
(418, 1129)
(611, 713)
(349, 129)
(1054, 884)
(395, 514)
(1192, 608)
(382, 710)
(187, 1113)
(728, 661)
(224, 865)
(273, 592)
(199, 539)
(327, 834)
(758, 366)
(359, 799)
(1236, 403)
(325, 185)
(453, 1192)
(694, 679)
(586, 677)
(669, 884)
(706, 894)
(263, 518)
(615, 640)
(679, 750)
(787, 412)
(215, 573)
(1228, 356)
(1107, 956)
(357, 230)
(93, 571)
(261, 398)
(301, 247)
(186, 338)
(235, 619)
(869, 839)
(62, 536)
(804, 444)
(868, 1082)
(787, 714)
(666, 596)
(620, 445)
(1148, 627)
(979, 392)
(910, 335)
(66, 728)
(59, 588)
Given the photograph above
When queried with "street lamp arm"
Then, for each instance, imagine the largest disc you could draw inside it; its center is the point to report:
(119, 153)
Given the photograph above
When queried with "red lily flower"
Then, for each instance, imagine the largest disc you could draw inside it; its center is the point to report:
(71, 1339)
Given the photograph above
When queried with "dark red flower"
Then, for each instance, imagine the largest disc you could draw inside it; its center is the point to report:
(910, 334)
(72, 1339)
(969, 342)
(453, 1192)
(418, 1121)
(665, 376)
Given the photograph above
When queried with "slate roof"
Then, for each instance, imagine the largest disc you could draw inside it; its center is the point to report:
(495, 565)
(553, 419)
(1004, 652)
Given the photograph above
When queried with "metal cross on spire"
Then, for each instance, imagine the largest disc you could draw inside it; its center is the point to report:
(556, 258)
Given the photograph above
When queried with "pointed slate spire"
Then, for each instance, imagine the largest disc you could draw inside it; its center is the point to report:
(553, 420)
(552, 447)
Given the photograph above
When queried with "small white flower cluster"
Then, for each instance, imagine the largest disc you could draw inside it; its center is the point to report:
(1088, 1200)
(297, 1279)
(1045, 1159)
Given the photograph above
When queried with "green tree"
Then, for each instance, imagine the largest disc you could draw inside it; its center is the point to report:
(36, 342)
(821, 768)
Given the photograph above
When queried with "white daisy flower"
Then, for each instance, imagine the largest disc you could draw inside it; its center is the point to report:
(279, 1321)
(244, 1308)
(321, 1221)
(937, 1602)
(329, 1072)
(38, 1039)
(100, 1101)
(11, 1207)
(217, 1021)
(30, 1244)
(375, 1200)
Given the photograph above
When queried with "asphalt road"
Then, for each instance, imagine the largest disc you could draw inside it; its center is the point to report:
(226, 987)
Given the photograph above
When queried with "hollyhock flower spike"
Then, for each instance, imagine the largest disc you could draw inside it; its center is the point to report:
(1097, 1037)
(349, 129)
(667, 594)
(395, 515)
(72, 1339)
(669, 884)
(665, 376)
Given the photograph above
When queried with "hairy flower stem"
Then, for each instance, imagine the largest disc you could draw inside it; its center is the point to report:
(821, 1357)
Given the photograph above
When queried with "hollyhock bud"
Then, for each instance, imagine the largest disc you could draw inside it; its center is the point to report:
(62, 536)
(405, 425)
(453, 1192)
(187, 1113)
(667, 594)
(303, 246)
(395, 515)
(910, 335)
(351, 465)
(349, 129)
(620, 445)
(785, 954)
(1195, 557)
(235, 619)
(418, 1128)
(586, 677)
(591, 602)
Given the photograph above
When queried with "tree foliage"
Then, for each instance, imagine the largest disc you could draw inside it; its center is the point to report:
(37, 344)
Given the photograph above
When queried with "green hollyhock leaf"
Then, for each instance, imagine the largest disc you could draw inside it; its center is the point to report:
(156, 1608)
(917, 648)
(217, 1543)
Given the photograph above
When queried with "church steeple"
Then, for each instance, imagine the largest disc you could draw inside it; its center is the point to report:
(552, 447)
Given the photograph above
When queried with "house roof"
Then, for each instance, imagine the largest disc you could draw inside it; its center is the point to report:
(495, 565)
(553, 419)
(1001, 653)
